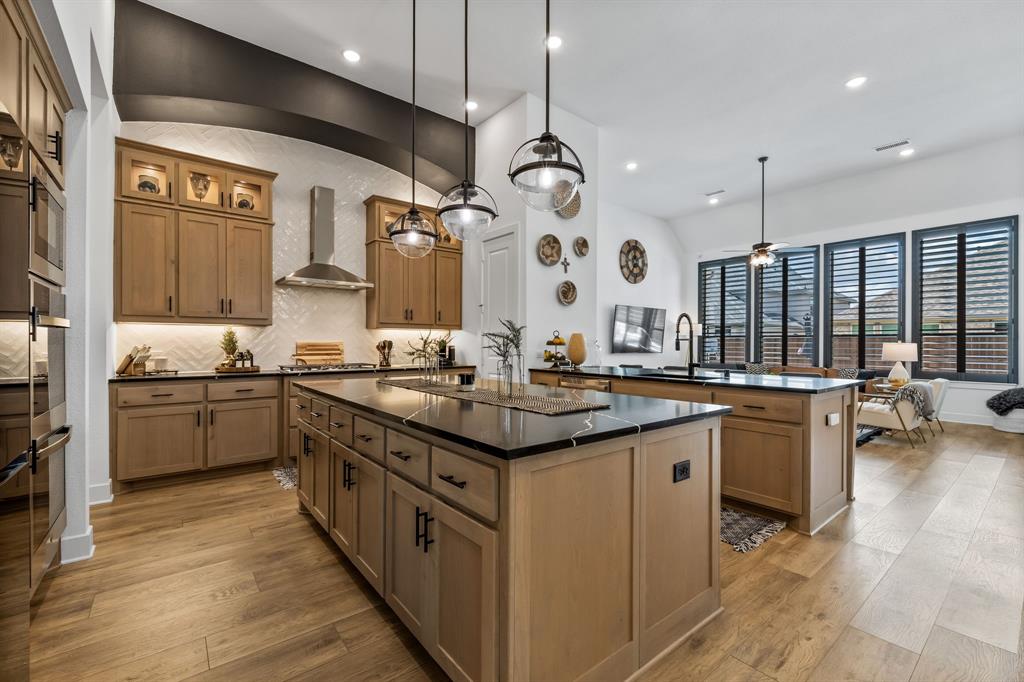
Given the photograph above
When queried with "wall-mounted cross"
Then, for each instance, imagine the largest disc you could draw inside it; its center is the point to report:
(565, 264)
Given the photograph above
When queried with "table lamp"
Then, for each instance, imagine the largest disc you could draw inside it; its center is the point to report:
(900, 352)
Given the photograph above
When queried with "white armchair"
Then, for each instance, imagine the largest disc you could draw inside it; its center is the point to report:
(884, 412)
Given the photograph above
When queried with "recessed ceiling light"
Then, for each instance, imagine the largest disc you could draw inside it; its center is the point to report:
(554, 42)
(713, 200)
(471, 105)
(631, 166)
(856, 82)
(351, 55)
(907, 152)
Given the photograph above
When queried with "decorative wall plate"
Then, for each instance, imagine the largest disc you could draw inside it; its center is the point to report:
(581, 246)
(566, 293)
(549, 250)
(572, 209)
(245, 201)
(633, 261)
(149, 183)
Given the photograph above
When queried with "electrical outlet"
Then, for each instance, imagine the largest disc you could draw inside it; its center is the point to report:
(832, 419)
(681, 471)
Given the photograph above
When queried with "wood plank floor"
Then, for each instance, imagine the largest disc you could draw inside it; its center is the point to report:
(921, 579)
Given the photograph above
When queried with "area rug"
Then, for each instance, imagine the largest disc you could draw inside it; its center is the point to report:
(746, 532)
(288, 477)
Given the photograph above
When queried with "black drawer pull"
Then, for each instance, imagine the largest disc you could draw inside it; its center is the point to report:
(364, 438)
(448, 478)
(336, 425)
(754, 407)
(300, 406)
(315, 414)
(400, 455)
(161, 395)
(244, 390)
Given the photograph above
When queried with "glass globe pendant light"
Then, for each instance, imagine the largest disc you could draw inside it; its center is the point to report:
(762, 252)
(466, 210)
(546, 172)
(412, 233)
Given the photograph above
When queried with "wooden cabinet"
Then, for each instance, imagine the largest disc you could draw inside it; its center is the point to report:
(409, 571)
(201, 265)
(145, 262)
(248, 270)
(14, 232)
(159, 440)
(410, 292)
(343, 499)
(45, 116)
(223, 266)
(369, 482)
(13, 64)
(448, 293)
(320, 492)
(242, 431)
(762, 462)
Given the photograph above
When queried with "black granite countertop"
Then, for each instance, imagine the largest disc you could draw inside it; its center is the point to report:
(275, 372)
(507, 433)
(709, 377)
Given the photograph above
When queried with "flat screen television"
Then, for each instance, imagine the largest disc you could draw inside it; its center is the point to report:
(636, 329)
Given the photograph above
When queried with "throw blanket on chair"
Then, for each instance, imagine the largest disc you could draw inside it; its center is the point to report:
(1007, 401)
(917, 397)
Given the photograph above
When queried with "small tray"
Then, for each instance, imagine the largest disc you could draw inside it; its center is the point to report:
(236, 370)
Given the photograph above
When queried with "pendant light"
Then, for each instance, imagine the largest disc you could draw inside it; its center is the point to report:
(545, 171)
(466, 209)
(762, 253)
(412, 233)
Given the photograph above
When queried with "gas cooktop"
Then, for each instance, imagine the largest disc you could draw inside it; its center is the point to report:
(308, 369)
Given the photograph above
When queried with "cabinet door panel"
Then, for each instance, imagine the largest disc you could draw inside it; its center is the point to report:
(449, 289)
(153, 441)
(38, 103)
(147, 176)
(343, 500)
(55, 137)
(14, 231)
(408, 566)
(242, 431)
(369, 479)
(466, 556)
(249, 270)
(391, 285)
(146, 261)
(762, 462)
(201, 186)
(201, 279)
(321, 501)
(305, 466)
(248, 194)
(13, 66)
(420, 290)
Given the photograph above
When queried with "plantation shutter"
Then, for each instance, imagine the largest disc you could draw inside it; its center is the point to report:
(723, 288)
(787, 310)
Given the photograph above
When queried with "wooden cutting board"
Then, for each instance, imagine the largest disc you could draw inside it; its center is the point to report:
(319, 352)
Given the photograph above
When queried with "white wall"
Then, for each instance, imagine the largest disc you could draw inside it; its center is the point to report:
(662, 288)
(986, 181)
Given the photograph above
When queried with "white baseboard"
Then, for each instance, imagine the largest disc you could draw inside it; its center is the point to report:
(75, 548)
(967, 418)
(101, 493)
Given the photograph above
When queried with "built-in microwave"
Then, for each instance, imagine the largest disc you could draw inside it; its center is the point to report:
(48, 223)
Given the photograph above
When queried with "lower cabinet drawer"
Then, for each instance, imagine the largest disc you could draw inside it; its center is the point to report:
(160, 394)
(318, 414)
(339, 424)
(762, 405)
(368, 439)
(238, 390)
(409, 456)
(471, 484)
(303, 404)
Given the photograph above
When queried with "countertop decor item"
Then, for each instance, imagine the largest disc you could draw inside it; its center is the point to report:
(554, 355)
(229, 343)
(466, 210)
(572, 209)
(507, 346)
(541, 163)
(581, 246)
(549, 249)
(149, 183)
(577, 349)
(200, 183)
(412, 233)
(567, 293)
(633, 261)
(384, 349)
(319, 353)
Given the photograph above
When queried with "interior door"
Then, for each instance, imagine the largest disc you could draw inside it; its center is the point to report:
(248, 270)
(146, 255)
(501, 289)
(201, 240)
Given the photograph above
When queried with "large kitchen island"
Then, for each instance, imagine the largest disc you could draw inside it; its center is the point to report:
(788, 445)
(517, 545)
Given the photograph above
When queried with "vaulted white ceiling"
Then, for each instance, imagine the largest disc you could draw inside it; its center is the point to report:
(692, 90)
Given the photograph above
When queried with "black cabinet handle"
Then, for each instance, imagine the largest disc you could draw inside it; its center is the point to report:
(419, 514)
(33, 195)
(448, 478)
(348, 480)
(365, 439)
(754, 407)
(231, 200)
(244, 390)
(315, 414)
(335, 425)
(438, 315)
(400, 455)
(211, 416)
(170, 189)
(425, 534)
(222, 306)
(222, 198)
(161, 395)
(305, 444)
(199, 416)
(300, 406)
(58, 147)
(170, 304)
(229, 306)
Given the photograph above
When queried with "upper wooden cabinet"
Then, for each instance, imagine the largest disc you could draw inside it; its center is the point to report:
(410, 292)
(13, 73)
(218, 268)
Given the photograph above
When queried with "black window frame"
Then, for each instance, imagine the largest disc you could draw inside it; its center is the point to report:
(723, 263)
(962, 229)
(830, 248)
(781, 257)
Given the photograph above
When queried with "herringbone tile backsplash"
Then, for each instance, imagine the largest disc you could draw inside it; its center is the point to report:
(299, 314)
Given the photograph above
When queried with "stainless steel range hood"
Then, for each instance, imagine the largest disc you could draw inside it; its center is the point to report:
(321, 272)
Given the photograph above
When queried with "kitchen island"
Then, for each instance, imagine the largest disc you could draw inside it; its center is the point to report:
(788, 445)
(517, 545)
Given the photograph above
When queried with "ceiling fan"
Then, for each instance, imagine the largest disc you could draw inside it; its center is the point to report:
(762, 253)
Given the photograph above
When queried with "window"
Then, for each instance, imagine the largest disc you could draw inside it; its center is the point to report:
(724, 289)
(965, 289)
(863, 300)
(787, 309)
